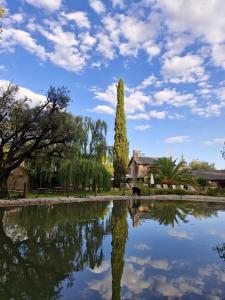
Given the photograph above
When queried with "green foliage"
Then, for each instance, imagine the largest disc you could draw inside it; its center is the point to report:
(201, 165)
(213, 192)
(86, 155)
(121, 147)
(119, 230)
(26, 131)
(170, 172)
(202, 181)
(57, 242)
(83, 174)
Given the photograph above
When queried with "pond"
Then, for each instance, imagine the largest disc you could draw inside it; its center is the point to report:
(113, 250)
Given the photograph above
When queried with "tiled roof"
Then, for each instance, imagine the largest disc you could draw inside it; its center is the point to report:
(210, 175)
(145, 160)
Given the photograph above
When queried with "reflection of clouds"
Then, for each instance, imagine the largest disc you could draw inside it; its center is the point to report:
(135, 283)
(156, 264)
(220, 234)
(180, 234)
(103, 286)
(212, 270)
(178, 287)
(134, 280)
(105, 266)
(142, 247)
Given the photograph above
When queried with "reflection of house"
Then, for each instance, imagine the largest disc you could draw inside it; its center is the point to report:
(138, 212)
(139, 166)
(17, 179)
(215, 177)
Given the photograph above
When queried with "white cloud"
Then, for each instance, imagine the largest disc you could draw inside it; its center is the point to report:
(149, 81)
(12, 37)
(109, 95)
(221, 94)
(211, 110)
(218, 55)
(184, 69)
(97, 6)
(66, 52)
(129, 35)
(105, 46)
(160, 264)
(180, 234)
(103, 109)
(46, 4)
(87, 41)
(118, 3)
(174, 98)
(35, 98)
(105, 266)
(148, 115)
(17, 18)
(177, 139)
(142, 247)
(194, 18)
(215, 141)
(134, 100)
(142, 127)
(206, 22)
(79, 17)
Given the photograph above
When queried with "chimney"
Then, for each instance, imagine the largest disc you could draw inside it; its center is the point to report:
(135, 155)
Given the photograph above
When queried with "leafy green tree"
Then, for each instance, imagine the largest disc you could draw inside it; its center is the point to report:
(119, 238)
(83, 164)
(202, 181)
(170, 172)
(201, 165)
(121, 147)
(27, 131)
(83, 174)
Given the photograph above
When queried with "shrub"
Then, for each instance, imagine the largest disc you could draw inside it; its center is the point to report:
(212, 192)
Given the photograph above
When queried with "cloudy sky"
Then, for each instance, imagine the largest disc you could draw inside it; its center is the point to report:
(171, 55)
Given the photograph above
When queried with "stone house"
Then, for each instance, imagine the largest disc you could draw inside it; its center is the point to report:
(139, 166)
(216, 178)
(18, 179)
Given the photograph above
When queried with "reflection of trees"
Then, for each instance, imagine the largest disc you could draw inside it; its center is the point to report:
(169, 213)
(172, 212)
(221, 251)
(205, 210)
(61, 240)
(119, 237)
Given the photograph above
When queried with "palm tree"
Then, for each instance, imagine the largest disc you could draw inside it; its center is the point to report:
(170, 172)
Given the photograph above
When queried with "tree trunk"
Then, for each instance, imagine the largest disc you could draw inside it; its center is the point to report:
(3, 184)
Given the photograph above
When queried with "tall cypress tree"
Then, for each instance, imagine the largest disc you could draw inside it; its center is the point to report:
(121, 147)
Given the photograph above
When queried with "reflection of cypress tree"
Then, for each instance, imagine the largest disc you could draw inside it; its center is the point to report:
(119, 237)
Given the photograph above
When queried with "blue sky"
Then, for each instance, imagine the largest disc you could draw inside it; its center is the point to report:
(171, 55)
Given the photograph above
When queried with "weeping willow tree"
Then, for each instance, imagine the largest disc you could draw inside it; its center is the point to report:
(82, 164)
(83, 174)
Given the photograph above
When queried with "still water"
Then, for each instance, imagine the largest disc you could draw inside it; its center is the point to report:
(113, 250)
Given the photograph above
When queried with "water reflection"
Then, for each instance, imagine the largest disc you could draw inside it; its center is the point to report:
(85, 251)
(58, 242)
(168, 213)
